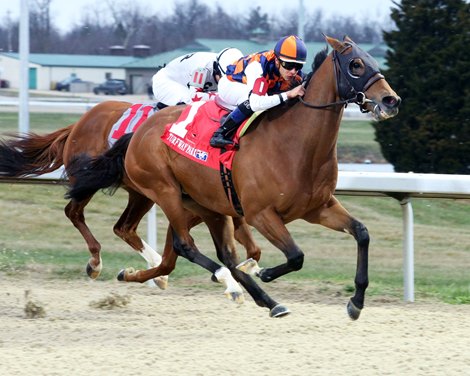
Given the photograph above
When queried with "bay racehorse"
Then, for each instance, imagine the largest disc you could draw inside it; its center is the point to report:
(285, 169)
(34, 154)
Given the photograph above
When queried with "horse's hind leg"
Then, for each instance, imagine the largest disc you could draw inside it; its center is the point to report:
(220, 230)
(183, 244)
(74, 212)
(167, 265)
(168, 262)
(126, 227)
(336, 217)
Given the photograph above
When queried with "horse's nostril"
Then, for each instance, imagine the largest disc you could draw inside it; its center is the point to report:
(391, 101)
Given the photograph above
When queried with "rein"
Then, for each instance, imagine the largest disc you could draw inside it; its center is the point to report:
(341, 102)
(358, 96)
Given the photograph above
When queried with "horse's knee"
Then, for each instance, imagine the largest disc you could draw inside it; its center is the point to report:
(360, 233)
(182, 249)
(296, 261)
(229, 258)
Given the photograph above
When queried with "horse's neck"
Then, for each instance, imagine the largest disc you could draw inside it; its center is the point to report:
(322, 87)
(318, 128)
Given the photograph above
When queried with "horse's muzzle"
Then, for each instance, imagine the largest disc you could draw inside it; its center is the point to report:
(387, 108)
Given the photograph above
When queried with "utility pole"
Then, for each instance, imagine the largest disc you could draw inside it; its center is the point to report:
(9, 33)
(301, 20)
(23, 119)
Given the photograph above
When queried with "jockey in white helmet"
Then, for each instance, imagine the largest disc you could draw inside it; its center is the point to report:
(192, 77)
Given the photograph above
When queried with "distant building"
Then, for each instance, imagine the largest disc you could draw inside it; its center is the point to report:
(47, 69)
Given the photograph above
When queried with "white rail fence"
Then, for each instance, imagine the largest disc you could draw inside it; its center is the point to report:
(402, 186)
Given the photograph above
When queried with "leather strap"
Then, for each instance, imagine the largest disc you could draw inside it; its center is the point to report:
(227, 183)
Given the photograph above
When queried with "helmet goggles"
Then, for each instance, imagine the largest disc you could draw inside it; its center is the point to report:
(287, 65)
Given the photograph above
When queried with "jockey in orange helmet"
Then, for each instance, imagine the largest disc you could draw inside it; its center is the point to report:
(258, 82)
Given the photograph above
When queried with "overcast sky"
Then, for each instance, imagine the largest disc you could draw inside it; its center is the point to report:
(69, 12)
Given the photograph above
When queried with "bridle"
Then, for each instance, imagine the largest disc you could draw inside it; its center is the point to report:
(351, 88)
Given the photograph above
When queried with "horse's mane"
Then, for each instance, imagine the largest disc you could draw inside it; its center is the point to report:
(317, 61)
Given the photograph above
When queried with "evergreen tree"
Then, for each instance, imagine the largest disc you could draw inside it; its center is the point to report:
(429, 67)
(258, 20)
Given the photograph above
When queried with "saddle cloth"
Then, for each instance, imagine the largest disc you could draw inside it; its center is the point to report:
(130, 120)
(190, 134)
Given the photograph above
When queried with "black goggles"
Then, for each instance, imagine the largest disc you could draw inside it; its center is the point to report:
(289, 66)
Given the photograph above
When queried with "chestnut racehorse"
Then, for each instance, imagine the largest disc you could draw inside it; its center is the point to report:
(34, 154)
(285, 169)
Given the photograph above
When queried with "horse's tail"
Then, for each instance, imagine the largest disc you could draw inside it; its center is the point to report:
(89, 175)
(32, 154)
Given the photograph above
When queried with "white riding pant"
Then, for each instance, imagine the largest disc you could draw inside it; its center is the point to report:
(168, 91)
(232, 93)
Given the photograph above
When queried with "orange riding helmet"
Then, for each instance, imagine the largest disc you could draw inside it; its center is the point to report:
(291, 49)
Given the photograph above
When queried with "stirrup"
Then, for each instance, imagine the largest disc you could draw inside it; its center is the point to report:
(218, 141)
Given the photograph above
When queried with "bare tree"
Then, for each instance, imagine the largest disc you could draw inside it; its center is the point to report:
(126, 23)
(41, 27)
(128, 18)
(9, 34)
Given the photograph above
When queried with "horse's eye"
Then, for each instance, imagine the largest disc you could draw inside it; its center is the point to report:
(356, 68)
(355, 65)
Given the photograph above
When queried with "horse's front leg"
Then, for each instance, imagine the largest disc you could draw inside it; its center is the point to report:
(244, 236)
(336, 217)
(271, 226)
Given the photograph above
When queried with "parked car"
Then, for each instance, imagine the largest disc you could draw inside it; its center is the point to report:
(4, 84)
(112, 87)
(64, 85)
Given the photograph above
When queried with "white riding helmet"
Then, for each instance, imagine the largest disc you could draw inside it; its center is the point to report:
(226, 57)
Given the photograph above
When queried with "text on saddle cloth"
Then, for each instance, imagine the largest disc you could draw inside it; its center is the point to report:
(130, 120)
(190, 134)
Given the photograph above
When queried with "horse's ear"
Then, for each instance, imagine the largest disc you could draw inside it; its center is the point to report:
(334, 43)
(347, 39)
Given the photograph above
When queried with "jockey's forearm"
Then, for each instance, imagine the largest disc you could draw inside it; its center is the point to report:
(264, 102)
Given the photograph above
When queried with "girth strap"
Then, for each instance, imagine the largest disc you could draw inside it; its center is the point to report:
(227, 182)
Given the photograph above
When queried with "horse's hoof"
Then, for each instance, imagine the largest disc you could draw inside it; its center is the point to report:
(124, 273)
(120, 276)
(249, 267)
(353, 311)
(279, 311)
(236, 297)
(92, 273)
(161, 282)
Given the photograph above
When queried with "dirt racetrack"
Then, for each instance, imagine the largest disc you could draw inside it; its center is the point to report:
(112, 328)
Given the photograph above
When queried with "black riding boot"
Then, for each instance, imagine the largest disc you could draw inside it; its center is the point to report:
(222, 136)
